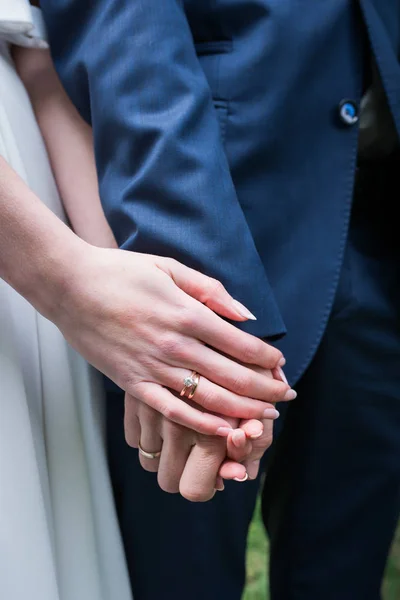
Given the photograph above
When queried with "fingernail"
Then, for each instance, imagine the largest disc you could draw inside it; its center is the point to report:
(245, 478)
(238, 437)
(243, 311)
(271, 413)
(290, 395)
(283, 376)
(224, 431)
(282, 362)
(220, 489)
(255, 436)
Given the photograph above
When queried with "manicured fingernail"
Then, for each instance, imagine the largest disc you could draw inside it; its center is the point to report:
(282, 362)
(224, 431)
(290, 395)
(245, 478)
(283, 376)
(238, 437)
(253, 469)
(243, 311)
(220, 489)
(271, 413)
(255, 436)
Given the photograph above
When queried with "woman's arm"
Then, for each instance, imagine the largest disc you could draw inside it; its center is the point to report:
(37, 250)
(69, 144)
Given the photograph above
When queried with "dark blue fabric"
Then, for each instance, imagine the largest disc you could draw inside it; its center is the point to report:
(218, 138)
(332, 498)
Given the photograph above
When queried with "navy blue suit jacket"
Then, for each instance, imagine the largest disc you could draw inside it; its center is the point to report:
(218, 139)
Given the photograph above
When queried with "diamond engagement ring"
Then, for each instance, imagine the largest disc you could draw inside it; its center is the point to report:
(190, 384)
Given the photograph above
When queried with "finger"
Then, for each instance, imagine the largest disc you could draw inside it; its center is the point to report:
(150, 438)
(252, 428)
(238, 446)
(235, 377)
(260, 446)
(233, 470)
(177, 445)
(176, 410)
(253, 468)
(217, 399)
(278, 373)
(225, 337)
(131, 422)
(200, 474)
(206, 290)
(219, 484)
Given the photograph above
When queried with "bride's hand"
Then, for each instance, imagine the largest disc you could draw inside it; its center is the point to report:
(147, 322)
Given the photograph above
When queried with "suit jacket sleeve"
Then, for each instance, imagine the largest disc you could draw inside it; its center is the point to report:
(131, 68)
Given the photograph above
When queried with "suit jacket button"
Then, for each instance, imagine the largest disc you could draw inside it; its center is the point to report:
(348, 112)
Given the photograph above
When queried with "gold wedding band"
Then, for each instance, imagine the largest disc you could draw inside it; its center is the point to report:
(151, 455)
(190, 385)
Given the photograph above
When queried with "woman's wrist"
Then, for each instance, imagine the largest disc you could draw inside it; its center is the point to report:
(53, 277)
(39, 254)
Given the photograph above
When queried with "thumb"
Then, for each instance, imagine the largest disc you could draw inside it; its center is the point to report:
(259, 447)
(206, 290)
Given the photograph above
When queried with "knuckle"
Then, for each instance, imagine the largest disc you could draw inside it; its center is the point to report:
(251, 351)
(242, 384)
(173, 431)
(209, 399)
(172, 346)
(187, 318)
(272, 355)
(169, 412)
(215, 287)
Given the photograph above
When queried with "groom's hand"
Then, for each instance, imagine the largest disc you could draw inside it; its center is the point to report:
(147, 322)
(188, 462)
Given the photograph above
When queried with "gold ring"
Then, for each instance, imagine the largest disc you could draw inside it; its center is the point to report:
(151, 455)
(190, 385)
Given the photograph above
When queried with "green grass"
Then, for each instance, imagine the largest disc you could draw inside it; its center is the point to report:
(257, 559)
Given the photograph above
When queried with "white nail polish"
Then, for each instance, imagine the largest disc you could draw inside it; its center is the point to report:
(290, 395)
(271, 413)
(283, 376)
(243, 311)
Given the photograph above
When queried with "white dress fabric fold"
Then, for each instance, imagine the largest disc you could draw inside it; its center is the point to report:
(59, 536)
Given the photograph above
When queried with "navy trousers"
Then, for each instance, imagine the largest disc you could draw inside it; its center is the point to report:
(332, 491)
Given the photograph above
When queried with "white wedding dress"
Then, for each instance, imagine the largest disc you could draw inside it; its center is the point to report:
(59, 538)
